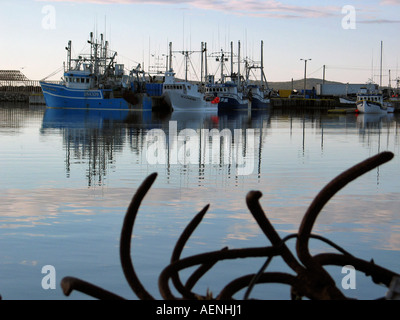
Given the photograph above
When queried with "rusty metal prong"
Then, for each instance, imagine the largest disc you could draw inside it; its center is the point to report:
(69, 284)
(258, 213)
(201, 271)
(378, 274)
(238, 284)
(126, 235)
(326, 194)
(187, 232)
(204, 258)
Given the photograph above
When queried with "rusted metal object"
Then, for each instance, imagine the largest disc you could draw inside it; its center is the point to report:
(310, 280)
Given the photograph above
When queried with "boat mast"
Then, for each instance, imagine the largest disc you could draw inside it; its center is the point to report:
(222, 66)
(94, 56)
(205, 62)
(186, 53)
(202, 63)
(232, 60)
(69, 55)
(262, 64)
(380, 81)
(238, 82)
(170, 56)
(105, 54)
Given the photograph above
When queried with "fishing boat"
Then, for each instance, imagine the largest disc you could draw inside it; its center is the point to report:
(230, 95)
(347, 101)
(96, 81)
(227, 96)
(372, 102)
(184, 95)
(258, 94)
(258, 97)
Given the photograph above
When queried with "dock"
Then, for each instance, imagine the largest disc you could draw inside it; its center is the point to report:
(16, 87)
(343, 110)
(293, 103)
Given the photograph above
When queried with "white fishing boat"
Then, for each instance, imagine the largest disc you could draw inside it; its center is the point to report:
(347, 101)
(184, 95)
(372, 102)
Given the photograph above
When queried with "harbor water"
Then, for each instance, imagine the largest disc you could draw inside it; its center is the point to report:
(68, 176)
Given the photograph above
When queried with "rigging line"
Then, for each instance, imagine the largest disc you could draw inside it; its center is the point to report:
(127, 58)
(194, 70)
(180, 67)
(53, 73)
(319, 69)
(362, 68)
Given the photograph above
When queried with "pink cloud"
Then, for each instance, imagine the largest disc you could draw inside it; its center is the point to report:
(256, 8)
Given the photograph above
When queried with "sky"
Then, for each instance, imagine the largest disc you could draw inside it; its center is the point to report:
(344, 38)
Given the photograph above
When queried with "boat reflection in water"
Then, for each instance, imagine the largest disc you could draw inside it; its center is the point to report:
(91, 136)
(180, 140)
(373, 120)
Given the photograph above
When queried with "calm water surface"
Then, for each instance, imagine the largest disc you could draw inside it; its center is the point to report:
(67, 178)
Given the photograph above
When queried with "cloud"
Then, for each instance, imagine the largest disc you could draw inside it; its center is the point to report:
(378, 21)
(255, 8)
(390, 2)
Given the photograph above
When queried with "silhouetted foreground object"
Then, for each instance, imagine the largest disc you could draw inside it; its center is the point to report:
(311, 280)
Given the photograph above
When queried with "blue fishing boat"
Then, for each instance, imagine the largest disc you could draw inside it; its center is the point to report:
(97, 81)
(229, 95)
(258, 97)
(226, 95)
(257, 92)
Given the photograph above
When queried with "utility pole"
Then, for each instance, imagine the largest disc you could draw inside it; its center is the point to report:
(305, 74)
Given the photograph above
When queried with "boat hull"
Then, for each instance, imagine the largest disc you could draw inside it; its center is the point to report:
(182, 102)
(59, 96)
(347, 101)
(370, 107)
(259, 103)
(229, 103)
